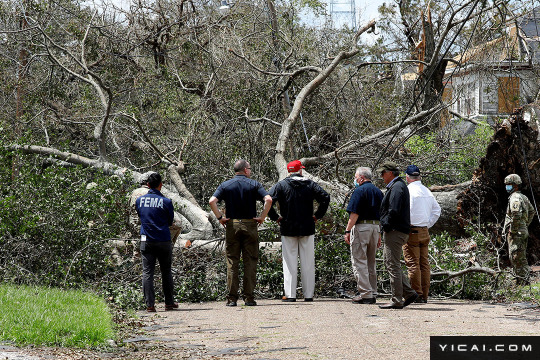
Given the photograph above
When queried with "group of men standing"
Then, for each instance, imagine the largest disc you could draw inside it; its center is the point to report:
(295, 195)
(399, 218)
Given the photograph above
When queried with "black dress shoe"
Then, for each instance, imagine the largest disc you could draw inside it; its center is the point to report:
(408, 301)
(286, 299)
(250, 303)
(231, 303)
(360, 300)
(420, 300)
(391, 306)
(308, 299)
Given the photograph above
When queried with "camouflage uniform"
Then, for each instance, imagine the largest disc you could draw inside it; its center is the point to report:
(519, 214)
(135, 223)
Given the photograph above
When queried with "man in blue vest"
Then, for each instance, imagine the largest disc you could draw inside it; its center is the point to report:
(156, 214)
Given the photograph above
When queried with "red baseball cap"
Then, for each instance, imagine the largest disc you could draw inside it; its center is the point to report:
(295, 166)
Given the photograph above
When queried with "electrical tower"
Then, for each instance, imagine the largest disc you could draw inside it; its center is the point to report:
(343, 12)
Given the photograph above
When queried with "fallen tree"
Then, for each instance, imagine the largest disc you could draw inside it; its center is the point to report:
(480, 204)
(514, 149)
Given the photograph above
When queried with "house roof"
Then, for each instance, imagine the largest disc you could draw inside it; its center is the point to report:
(519, 44)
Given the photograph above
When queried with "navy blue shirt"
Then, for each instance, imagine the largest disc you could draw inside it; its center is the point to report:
(157, 214)
(240, 195)
(366, 202)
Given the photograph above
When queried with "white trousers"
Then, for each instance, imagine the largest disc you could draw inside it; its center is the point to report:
(292, 247)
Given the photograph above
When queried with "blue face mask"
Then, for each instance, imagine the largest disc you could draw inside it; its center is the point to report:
(356, 183)
(509, 188)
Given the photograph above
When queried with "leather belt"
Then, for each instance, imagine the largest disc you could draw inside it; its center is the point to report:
(243, 220)
(374, 222)
(419, 227)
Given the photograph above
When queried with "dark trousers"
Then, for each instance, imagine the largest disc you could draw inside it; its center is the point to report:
(162, 251)
(241, 238)
(393, 249)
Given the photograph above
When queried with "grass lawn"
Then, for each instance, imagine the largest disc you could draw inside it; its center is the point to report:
(44, 316)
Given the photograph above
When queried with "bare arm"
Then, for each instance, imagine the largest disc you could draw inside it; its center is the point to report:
(267, 206)
(352, 220)
(213, 205)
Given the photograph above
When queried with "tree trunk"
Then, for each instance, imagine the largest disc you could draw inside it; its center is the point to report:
(447, 198)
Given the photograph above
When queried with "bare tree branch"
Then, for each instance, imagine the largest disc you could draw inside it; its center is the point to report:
(371, 138)
(452, 274)
(286, 128)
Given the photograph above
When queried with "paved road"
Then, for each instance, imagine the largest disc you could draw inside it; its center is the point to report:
(333, 328)
(324, 329)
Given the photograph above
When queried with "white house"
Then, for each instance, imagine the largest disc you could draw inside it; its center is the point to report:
(492, 79)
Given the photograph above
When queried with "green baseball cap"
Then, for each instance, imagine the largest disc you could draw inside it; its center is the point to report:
(387, 166)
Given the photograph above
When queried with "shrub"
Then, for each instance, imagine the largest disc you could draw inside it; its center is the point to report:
(56, 223)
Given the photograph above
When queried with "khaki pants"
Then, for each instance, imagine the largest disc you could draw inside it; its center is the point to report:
(241, 238)
(364, 238)
(393, 248)
(416, 255)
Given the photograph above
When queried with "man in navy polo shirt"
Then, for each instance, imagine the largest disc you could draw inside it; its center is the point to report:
(240, 220)
(156, 214)
(362, 234)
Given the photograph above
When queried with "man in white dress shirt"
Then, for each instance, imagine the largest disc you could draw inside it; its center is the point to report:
(425, 212)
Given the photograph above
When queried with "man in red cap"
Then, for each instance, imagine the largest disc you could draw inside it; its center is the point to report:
(295, 195)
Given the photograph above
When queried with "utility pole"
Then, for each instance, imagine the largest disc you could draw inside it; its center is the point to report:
(344, 10)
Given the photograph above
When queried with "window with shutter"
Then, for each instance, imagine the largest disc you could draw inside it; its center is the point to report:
(508, 94)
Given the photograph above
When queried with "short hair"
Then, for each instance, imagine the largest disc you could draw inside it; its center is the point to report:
(364, 171)
(154, 180)
(395, 172)
(413, 177)
(240, 165)
(143, 180)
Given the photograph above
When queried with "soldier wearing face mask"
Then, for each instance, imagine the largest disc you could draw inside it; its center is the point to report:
(519, 215)
(363, 235)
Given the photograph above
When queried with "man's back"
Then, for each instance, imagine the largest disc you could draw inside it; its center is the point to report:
(295, 196)
(425, 210)
(395, 208)
(157, 214)
(240, 195)
(366, 202)
(520, 211)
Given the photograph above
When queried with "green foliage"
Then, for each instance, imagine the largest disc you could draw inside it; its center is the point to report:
(270, 265)
(56, 223)
(332, 254)
(447, 156)
(46, 316)
(201, 277)
(529, 293)
(452, 255)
